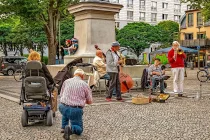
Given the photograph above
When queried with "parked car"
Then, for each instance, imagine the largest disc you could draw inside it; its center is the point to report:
(9, 64)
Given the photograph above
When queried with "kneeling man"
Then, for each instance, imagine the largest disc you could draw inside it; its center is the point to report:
(74, 94)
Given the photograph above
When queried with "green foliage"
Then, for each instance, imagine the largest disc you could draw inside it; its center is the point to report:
(67, 29)
(204, 5)
(138, 36)
(46, 13)
(168, 32)
(163, 58)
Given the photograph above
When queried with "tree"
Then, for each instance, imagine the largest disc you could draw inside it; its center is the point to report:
(67, 29)
(168, 31)
(44, 12)
(204, 5)
(138, 36)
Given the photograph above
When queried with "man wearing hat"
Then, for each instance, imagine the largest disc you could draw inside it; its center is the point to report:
(113, 63)
(75, 93)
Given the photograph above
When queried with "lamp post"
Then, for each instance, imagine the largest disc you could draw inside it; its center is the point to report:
(199, 27)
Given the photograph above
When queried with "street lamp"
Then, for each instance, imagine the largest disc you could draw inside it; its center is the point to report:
(199, 27)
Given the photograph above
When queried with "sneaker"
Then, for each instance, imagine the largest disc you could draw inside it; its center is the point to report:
(108, 99)
(67, 133)
(162, 92)
(180, 95)
(62, 130)
(121, 100)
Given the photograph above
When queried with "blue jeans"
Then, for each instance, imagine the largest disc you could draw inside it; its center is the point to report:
(155, 81)
(74, 115)
(107, 77)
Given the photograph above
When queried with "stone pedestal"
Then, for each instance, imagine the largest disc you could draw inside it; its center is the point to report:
(94, 24)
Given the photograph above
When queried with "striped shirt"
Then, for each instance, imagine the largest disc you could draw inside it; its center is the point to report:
(75, 92)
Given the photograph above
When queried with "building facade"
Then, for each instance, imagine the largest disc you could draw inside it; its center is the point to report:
(195, 32)
(150, 11)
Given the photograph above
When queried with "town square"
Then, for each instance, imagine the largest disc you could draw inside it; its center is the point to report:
(104, 70)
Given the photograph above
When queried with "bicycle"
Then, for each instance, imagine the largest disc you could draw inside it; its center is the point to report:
(20, 73)
(202, 75)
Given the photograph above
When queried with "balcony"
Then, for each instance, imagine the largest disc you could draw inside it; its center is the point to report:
(154, 20)
(142, 19)
(142, 7)
(129, 18)
(154, 8)
(195, 42)
(130, 5)
(177, 10)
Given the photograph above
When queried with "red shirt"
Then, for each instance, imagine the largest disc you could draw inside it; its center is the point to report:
(179, 62)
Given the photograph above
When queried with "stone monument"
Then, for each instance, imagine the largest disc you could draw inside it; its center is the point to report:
(94, 24)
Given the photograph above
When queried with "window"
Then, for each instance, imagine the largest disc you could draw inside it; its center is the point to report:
(188, 36)
(117, 24)
(177, 8)
(142, 4)
(154, 17)
(176, 18)
(154, 6)
(201, 36)
(142, 16)
(130, 15)
(117, 15)
(190, 19)
(199, 19)
(165, 16)
(115, 1)
(165, 5)
(189, 7)
(130, 3)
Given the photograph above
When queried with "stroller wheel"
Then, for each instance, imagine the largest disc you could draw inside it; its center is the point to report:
(24, 118)
(49, 119)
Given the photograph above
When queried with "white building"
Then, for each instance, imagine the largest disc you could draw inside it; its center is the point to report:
(150, 11)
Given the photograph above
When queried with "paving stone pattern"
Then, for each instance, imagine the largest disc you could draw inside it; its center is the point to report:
(177, 119)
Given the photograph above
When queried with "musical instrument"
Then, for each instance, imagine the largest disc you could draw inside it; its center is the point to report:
(180, 51)
(121, 58)
(125, 80)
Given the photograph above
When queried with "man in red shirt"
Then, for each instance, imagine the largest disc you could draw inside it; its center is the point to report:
(176, 58)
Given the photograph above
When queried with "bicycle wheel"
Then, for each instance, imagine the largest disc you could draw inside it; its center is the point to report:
(18, 75)
(202, 76)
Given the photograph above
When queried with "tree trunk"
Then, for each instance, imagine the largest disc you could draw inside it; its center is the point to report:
(51, 29)
(51, 51)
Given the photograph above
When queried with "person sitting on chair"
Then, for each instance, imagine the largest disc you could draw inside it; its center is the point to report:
(44, 72)
(101, 66)
(98, 61)
(156, 73)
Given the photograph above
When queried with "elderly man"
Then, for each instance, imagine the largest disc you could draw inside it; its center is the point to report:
(101, 66)
(156, 73)
(176, 59)
(112, 69)
(74, 94)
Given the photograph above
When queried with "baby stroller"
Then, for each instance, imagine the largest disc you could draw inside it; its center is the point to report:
(35, 97)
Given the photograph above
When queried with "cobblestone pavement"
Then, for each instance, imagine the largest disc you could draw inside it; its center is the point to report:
(177, 119)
